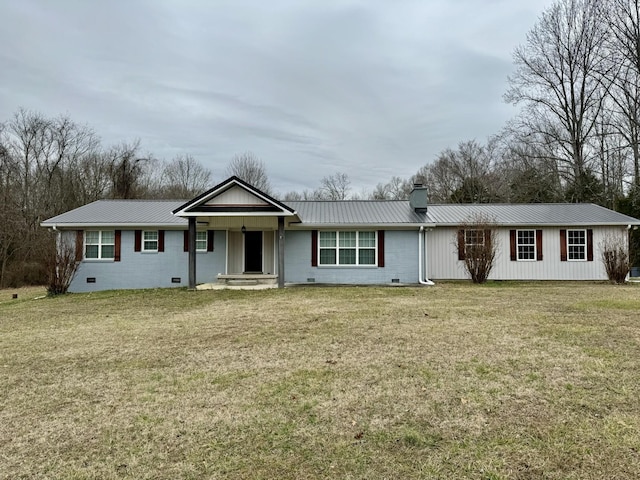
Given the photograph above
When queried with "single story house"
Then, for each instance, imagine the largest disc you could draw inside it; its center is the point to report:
(235, 232)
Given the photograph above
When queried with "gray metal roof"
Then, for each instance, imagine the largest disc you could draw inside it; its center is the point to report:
(556, 214)
(121, 213)
(351, 212)
(357, 212)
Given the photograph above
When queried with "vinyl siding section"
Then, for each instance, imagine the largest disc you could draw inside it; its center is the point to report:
(401, 261)
(149, 270)
(443, 263)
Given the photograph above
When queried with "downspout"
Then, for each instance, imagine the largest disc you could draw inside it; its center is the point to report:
(422, 241)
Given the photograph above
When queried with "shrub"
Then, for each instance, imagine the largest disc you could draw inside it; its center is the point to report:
(615, 257)
(61, 266)
(477, 246)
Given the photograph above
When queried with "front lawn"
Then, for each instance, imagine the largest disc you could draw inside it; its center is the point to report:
(501, 381)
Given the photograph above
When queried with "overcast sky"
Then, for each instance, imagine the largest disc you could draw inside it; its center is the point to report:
(370, 88)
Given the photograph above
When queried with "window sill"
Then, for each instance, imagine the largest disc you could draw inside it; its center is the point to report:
(347, 266)
(98, 260)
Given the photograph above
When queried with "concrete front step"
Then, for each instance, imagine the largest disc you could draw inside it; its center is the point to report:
(248, 279)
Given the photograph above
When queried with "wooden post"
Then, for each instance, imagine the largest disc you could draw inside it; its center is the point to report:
(192, 253)
(280, 252)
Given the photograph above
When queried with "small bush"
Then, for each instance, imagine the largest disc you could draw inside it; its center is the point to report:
(615, 258)
(61, 267)
(477, 246)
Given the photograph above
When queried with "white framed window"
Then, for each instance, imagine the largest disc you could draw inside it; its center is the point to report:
(347, 248)
(201, 241)
(99, 244)
(577, 245)
(473, 240)
(150, 241)
(526, 245)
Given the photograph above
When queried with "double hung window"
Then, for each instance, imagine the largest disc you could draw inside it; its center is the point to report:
(526, 245)
(347, 248)
(150, 241)
(201, 241)
(473, 241)
(577, 244)
(99, 244)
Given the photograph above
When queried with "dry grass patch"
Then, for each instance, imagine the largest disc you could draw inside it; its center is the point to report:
(457, 381)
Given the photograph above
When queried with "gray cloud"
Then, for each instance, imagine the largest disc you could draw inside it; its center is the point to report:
(369, 88)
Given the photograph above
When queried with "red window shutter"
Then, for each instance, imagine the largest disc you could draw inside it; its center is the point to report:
(563, 245)
(589, 245)
(380, 248)
(161, 240)
(314, 248)
(539, 245)
(137, 241)
(186, 241)
(118, 241)
(460, 244)
(209, 240)
(512, 245)
(488, 238)
(79, 245)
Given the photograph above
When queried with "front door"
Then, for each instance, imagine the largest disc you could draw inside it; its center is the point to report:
(253, 252)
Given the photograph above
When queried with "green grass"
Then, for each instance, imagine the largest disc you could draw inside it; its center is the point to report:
(501, 381)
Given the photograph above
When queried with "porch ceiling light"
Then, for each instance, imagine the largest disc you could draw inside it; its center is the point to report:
(243, 229)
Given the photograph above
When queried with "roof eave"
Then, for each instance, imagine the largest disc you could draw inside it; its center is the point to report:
(69, 225)
(306, 226)
(539, 224)
(235, 214)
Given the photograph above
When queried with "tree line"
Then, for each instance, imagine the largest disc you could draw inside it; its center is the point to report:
(576, 138)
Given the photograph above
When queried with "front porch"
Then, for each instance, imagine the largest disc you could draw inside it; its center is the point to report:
(254, 224)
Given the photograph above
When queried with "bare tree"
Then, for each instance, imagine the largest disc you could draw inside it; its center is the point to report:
(527, 171)
(40, 157)
(126, 170)
(623, 21)
(615, 257)
(334, 187)
(246, 166)
(465, 175)
(476, 243)
(61, 265)
(184, 177)
(395, 189)
(560, 81)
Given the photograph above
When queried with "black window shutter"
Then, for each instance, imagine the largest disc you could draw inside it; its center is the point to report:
(380, 248)
(209, 240)
(539, 245)
(137, 241)
(460, 244)
(161, 240)
(314, 248)
(563, 245)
